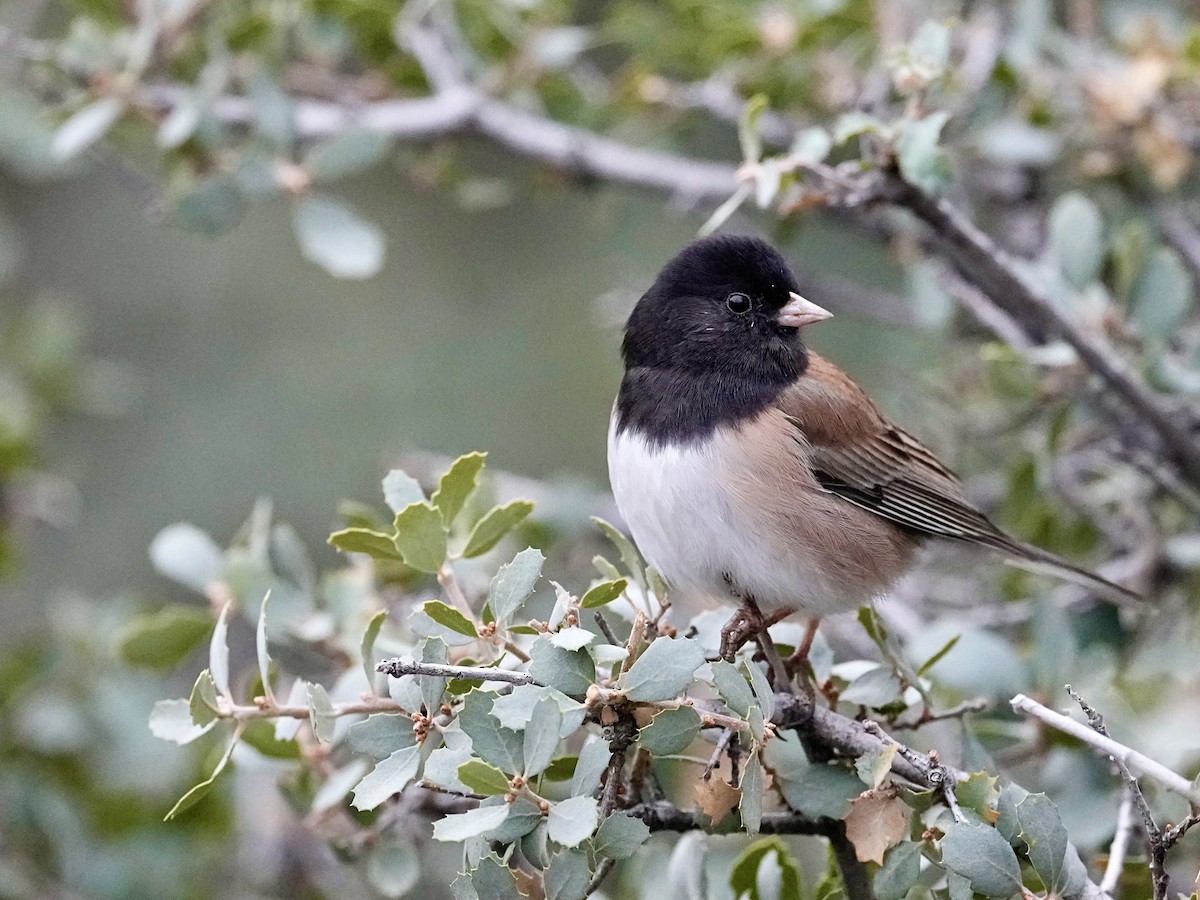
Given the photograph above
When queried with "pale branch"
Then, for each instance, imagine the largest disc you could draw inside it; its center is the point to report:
(268, 710)
(397, 667)
(1119, 845)
(1139, 764)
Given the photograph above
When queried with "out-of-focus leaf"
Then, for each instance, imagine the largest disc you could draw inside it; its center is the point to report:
(321, 714)
(393, 869)
(261, 650)
(85, 127)
(1077, 238)
(211, 206)
(922, 161)
(261, 737)
(745, 875)
(196, 794)
(338, 785)
(874, 688)
(367, 647)
(811, 145)
(335, 238)
(1162, 296)
(346, 153)
(171, 720)
(184, 553)
(163, 638)
(495, 524)
(203, 701)
(457, 484)
(748, 136)
(401, 490)
(663, 670)
(421, 537)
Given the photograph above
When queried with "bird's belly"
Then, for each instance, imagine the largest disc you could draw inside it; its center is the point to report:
(680, 503)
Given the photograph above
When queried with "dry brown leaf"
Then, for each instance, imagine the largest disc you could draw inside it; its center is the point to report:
(716, 798)
(877, 820)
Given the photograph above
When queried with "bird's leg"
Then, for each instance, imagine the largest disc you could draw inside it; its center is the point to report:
(799, 663)
(749, 622)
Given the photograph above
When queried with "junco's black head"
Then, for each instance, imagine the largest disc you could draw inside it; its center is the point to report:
(714, 340)
(726, 304)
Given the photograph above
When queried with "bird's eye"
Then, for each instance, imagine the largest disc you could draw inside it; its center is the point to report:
(738, 304)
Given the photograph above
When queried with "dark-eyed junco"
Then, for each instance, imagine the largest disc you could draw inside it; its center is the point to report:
(749, 468)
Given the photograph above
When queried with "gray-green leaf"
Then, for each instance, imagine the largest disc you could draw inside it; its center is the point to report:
(571, 672)
(663, 670)
(1077, 238)
(514, 583)
(320, 712)
(670, 731)
(401, 490)
(621, 835)
(752, 794)
(979, 854)
(567, 876)
(541, 736)
(470, 824)
(335, 238)
(1046, 839)
(572, 821)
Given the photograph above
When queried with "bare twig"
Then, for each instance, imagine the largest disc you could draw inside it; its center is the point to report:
(1120, 843)
(397, 667)
(1139, 765)
(662, 815)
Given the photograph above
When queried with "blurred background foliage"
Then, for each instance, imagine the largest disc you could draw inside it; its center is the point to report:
(216, 286)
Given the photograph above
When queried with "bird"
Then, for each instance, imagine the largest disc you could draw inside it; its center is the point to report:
(749, 468)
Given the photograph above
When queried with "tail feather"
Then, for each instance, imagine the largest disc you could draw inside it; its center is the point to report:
(1035, 559)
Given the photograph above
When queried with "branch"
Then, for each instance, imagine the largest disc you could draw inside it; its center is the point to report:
(662, 815)
(397, 667)
(1138, 764)
(1120, 843)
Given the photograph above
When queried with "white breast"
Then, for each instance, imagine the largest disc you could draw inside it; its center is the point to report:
(676, 501)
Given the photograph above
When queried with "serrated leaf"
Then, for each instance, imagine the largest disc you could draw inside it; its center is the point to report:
(171, 720)
(571, 672)
(320, 712)
(261, 651)
(379, 735)
(346, 153)
(196, 794)
(449, 617)
(877, 821)
(716, 798)
(604, 593)
(494, 525)
(1045, 839)
(763, 694)
(502, 747)
(977, 793)
(621, 835)
(732, 686)
(367, 647)
(523, 817)
(670, 731)
(1076, 232)
(513, 584)
(374, 544)
(336, 239)
(457, 485)
(202, 703)
(85, 127)
(572, 821)
(493, 880)
(979, 854)
(663, 670)
(900, 870)
(433, 687)
(568, 876)
(541, 736)
(750, 805)
(421, 537)
(483, 778)
(461, 827)
(401, 490)
(165, 637)
(390, 776)
(515, 709)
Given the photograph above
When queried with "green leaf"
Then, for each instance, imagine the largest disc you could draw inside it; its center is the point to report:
(449, 617)
(171, 720)
(568, 876)
(335, 238)
(457, 485)
(393, 868)
(196, 794)
(492, 879)
(670, 731)
(211, 206)
(260, 646)
(873, 766)
(764, 854)
(374, 544)
(630, 558)
(346, 153)
(1162, 296)
(1046, 839)
(977, 793)
(184, 553)
(732, 687)
(85, 127)
(621, 835)
(541, 736)
(390, 776)
(1077, 238)
(473, 823)
(922, 162)
(604, 593)
(979, 854)
(937, 657)
(572, 821)
(513, 584)
(763, 693)
(571, 672)
(367, 647)
(401, 490)
(523, 817)
(202, 704)
(751, 803)
(748, 136)
(900, 870)
(261, 736)
(495, 524)
(483, 778)
(163, 638)
(515, 709)
(853, 123)
(875, 688)
(502, 747)
(421, 537)
(664, 670)
(726, 209)
(381, 734)
(320, 712)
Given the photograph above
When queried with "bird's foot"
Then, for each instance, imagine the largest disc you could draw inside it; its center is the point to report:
(750, 622)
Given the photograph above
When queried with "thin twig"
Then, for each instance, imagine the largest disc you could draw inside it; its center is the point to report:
(397, 667)
(1138, 764)
(1120, 843)
(606, 629)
